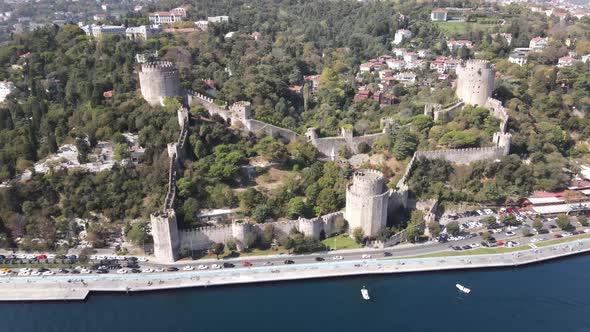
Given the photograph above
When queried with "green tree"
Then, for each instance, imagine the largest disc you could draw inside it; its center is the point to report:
(453, 228)
(486, 236)
(583, 220)
(217, 249)
(121, 152)
(231, 245)
(296, 208)
(138, 233)
(358, 235)
(537, 224)
(526, 231)
(563, 222)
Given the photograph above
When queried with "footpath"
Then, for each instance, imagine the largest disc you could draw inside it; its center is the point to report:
(65, 288)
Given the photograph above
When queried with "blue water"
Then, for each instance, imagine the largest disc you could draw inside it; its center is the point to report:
(552, 296)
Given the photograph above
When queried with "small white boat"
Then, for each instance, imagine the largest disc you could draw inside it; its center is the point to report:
(463, 288)
(365, 294)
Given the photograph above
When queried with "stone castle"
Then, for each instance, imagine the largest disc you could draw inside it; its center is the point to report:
(475, 82)
(158, 80)
(368, 202)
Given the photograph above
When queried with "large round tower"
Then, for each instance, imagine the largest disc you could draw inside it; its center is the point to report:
(366, 202)
(158, 80)
(475, 82)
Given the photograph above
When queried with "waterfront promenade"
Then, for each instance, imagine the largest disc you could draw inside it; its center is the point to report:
(78, 287)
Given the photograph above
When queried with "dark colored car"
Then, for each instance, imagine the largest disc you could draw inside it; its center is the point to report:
(43, 269)
(557, 236)
(543, 231)
(135, 271)
(288, 261)
(63, 271)
(102, 271)
(228, 265)
(387, 254)
(466, 247)
(456, 248)
(319, 259)
(552, 226)
(75, 271)
(172, 269)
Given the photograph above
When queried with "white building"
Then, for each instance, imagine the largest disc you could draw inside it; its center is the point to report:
(456, 44)
(566, 61)
(165, 17)
(202, 24)
(401, 35)
(410, 56)
(506, 36)
(406, 77)
(146, 57)
(585, 58)
(395, 64)
(218, 19)
(6, 88)
(438, 15)
(142, 32)
(99, 30)
(538, 43)
(519, 58)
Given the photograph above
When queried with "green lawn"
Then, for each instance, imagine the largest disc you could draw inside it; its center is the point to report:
(342, 241)
(561, 240)
(479, 251)
(460, 28)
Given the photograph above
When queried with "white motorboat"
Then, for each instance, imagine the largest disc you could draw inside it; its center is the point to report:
(365, 293)
(463, 288)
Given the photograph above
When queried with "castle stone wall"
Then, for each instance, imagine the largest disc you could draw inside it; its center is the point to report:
(203, 238)
(165, 235)
(158, 80)
(463, 156)
(256, 126)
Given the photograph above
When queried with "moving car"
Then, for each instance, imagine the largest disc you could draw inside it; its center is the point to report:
(337, 258)
(319, 259)
(172, 269)
(188, 268)
(365, 256)
(288, 261)
(246, 264)
(216, 266)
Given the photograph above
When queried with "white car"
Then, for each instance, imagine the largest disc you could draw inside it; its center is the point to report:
(497, 230)
(85, 271)
(188, 268)
(512, 228)
(142, 259)
(366, 256)
(337, 258)
(50, 256)
(148, 270)
(587, 230)
(24, 273)
(21, 256)
(480, 212)
(535, 240)
(35, 273)
(474, 245)
(510, 233)
(566, 234)
(511, 244)
(48, 273)
(488, 211)
(121, 271)
(160, 269)
(3, 273)
(216, 266)
(202, 267)
(25, 269)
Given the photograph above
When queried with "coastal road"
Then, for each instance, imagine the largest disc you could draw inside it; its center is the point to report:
(353, 255)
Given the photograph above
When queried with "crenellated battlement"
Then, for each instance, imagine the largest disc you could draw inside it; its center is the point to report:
(158, 66)
(158, 80)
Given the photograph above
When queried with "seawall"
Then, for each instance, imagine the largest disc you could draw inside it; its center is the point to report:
(57, 288)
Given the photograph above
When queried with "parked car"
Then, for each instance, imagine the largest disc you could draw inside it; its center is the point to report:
(510, 233)
(228, 265)
(557, 236)
(246, 264)
(172, 269)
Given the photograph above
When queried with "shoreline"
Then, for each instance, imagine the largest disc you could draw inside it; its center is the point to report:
(62, 288)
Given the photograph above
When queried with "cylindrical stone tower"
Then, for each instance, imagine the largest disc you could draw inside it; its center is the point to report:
(366, 202)
(475, 82)
(158, 80)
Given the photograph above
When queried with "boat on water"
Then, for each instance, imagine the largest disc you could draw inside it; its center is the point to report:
(365, 293)
(463, 288)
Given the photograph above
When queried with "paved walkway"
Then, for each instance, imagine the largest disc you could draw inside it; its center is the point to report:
(78, 287)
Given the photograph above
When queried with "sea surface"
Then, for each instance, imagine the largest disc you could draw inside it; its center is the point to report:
(552, 296)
